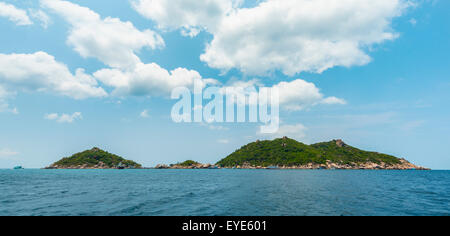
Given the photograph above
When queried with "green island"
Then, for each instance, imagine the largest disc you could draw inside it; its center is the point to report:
(282, 153)
(286, 153)
(189, 164)
(94, 159)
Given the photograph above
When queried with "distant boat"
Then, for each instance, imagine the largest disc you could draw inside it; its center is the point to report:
(121, 166)
(18, 168)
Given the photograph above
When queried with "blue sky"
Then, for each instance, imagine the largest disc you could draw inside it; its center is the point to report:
(391, 68)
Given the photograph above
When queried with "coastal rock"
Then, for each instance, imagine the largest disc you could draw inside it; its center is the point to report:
(187, 165)
(340, 143)
(339, 166)
(160, 166)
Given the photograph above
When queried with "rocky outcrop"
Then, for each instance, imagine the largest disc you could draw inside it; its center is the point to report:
(404, 165)
(193, 166)
(161, 166)
(99, 166)
(340, 143)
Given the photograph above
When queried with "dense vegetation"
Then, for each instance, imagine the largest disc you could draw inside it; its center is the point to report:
(94, 157)
(188, 163)
(288, 152)
(347, 154)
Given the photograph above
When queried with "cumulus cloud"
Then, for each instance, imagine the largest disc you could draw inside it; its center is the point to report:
(116, 43)
(149, 79)
(191, 16)
(292, 36)
(64, 118)
(42, 73)
(294, 96)
(300, 94)
(301, 35)
(110, 40)
(18, 16)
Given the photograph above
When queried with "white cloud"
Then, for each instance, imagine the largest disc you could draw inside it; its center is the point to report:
(144, 114)
(333, 100)
(149, 79)
(191, 16)
(296, 131)
(301, 35)
(116, 43)
(110, 40)
(294, 96)
(42, 73)
(6, 153)
(41, 16)
(292, 36)
(300, 94)
(18, 16)
(64, 118)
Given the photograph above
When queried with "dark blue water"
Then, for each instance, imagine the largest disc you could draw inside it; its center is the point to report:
(223, 192)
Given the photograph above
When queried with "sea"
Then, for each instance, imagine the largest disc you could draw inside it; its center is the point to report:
(224, 192)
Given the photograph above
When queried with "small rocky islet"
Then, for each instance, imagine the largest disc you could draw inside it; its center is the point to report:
(283, 153)
(95, 158)
(188, 165)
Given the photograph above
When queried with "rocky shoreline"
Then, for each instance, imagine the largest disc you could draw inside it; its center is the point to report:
(403, 165)
(99, 166)
(181, 167)
(281, 153)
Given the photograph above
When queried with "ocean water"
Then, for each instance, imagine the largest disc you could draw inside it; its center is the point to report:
(224, 192)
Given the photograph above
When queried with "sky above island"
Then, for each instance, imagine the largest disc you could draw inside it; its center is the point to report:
(81, 73)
